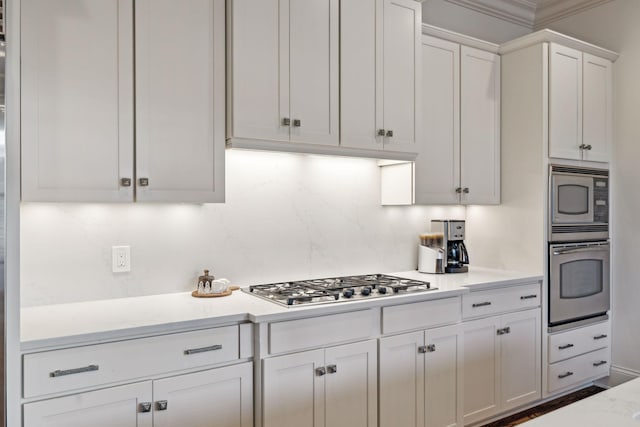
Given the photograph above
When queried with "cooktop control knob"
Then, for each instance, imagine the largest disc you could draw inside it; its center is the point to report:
(382, 290)
(366, 291)
(348, 293)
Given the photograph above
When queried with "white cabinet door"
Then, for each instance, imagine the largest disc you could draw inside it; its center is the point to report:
(443, 377)
(114, 406)
(521, 359)
(401, 73)
(180, 100)
(402, 381)
(77, 100)
(360, 82)
(597, 108)
(293, 391)
(438, 164)
(480, 126)
(565, 102)
(351, 385)
(256, 80)
(314, 72)
(222, 397)
(481, 369)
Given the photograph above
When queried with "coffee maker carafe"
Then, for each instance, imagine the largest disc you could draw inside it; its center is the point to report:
(457, 256)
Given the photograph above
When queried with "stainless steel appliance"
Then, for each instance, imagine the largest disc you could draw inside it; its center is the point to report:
(454, 247)
(2, 218)
(337, 289)
(578, 284)
(578, 203)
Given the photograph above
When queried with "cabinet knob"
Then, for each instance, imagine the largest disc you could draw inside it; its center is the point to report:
(297, 123)
(389, 133)
(286, 121)
(422, 349)
(458, 190)
(125, 182)
(504, 331)
(144, 182)
(465, 190)
(320, 371)
(585, 147)
(381, 132)
(161, 405)
(332, 369)
(145, 406)
(431, 348)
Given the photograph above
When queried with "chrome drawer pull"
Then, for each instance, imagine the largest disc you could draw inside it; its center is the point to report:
(62, 373)
(203, 349)
(480, 304)
(564, 347)
(529, 297)
(162, 405)
(565, 375)
(599, 337)
(145, 407)
(320, 371)
(600, 363)
(332, 369)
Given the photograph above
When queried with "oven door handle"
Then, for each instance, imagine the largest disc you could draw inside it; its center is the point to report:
(579, 250)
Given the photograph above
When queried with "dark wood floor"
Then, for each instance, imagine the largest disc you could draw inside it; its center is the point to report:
(552, 405)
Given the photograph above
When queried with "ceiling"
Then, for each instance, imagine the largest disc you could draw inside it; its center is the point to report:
(534, 14)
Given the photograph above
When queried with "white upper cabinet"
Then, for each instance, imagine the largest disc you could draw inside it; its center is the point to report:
(78, 103)
(284, 70)
(479, 126)
(459, 160)
(77, 100)
(380, 74)
(180, 100)
(580, 105)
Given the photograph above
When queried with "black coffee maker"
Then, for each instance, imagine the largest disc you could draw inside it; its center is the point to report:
(457, 256)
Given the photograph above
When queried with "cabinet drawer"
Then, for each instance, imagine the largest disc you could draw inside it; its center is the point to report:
(578, 341)
(420, 315)
(322, 331)
(486, 303)
(572, 372)
(80, 367)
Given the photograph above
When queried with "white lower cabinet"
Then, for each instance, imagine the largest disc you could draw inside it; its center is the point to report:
(502, 363)
(222, 396)
(333, 387)
(420, 379)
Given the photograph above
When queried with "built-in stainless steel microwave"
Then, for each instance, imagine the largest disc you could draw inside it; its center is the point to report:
(578, 203)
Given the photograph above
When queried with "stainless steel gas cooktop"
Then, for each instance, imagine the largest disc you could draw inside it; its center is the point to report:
(337, 289)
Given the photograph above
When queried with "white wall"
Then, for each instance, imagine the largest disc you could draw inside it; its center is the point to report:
(615, 25)
(287, 217)
(456, 18)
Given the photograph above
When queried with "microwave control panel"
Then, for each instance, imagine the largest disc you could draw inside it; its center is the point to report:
(601, 200)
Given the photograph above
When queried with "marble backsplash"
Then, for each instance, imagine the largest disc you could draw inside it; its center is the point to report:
(286, 217)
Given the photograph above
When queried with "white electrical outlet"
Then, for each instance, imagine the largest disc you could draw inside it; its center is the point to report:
(121, 259)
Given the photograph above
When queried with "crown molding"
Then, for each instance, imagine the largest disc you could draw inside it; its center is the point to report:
(454, 37)
(532, 14)
(519, 12)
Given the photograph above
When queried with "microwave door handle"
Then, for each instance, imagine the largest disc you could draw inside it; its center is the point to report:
(579, 250)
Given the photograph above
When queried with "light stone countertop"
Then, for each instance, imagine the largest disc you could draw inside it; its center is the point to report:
(53, 326)
(619, 406)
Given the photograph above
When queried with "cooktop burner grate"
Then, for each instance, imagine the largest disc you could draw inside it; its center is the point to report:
(336, 289)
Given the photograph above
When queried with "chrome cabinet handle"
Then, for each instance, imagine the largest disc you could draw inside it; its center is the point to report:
(481, 304)
(564, 347)
(381, 132)
(465, 190)
(332, 369)
(125, 182)
(320, 371)
(458, 190)
(565, 375)
(203, 349)
(599, 337)
(529, 296)
(62, 373)
(600, 363)
(431, 348)
(297, 123)
(286, 121)
(145, 407)
(422, 349)
(161, 405)
(144, 182)
(389, 133)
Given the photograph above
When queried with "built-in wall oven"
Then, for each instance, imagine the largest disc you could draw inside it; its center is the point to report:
(578, 283)
(579, 248)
